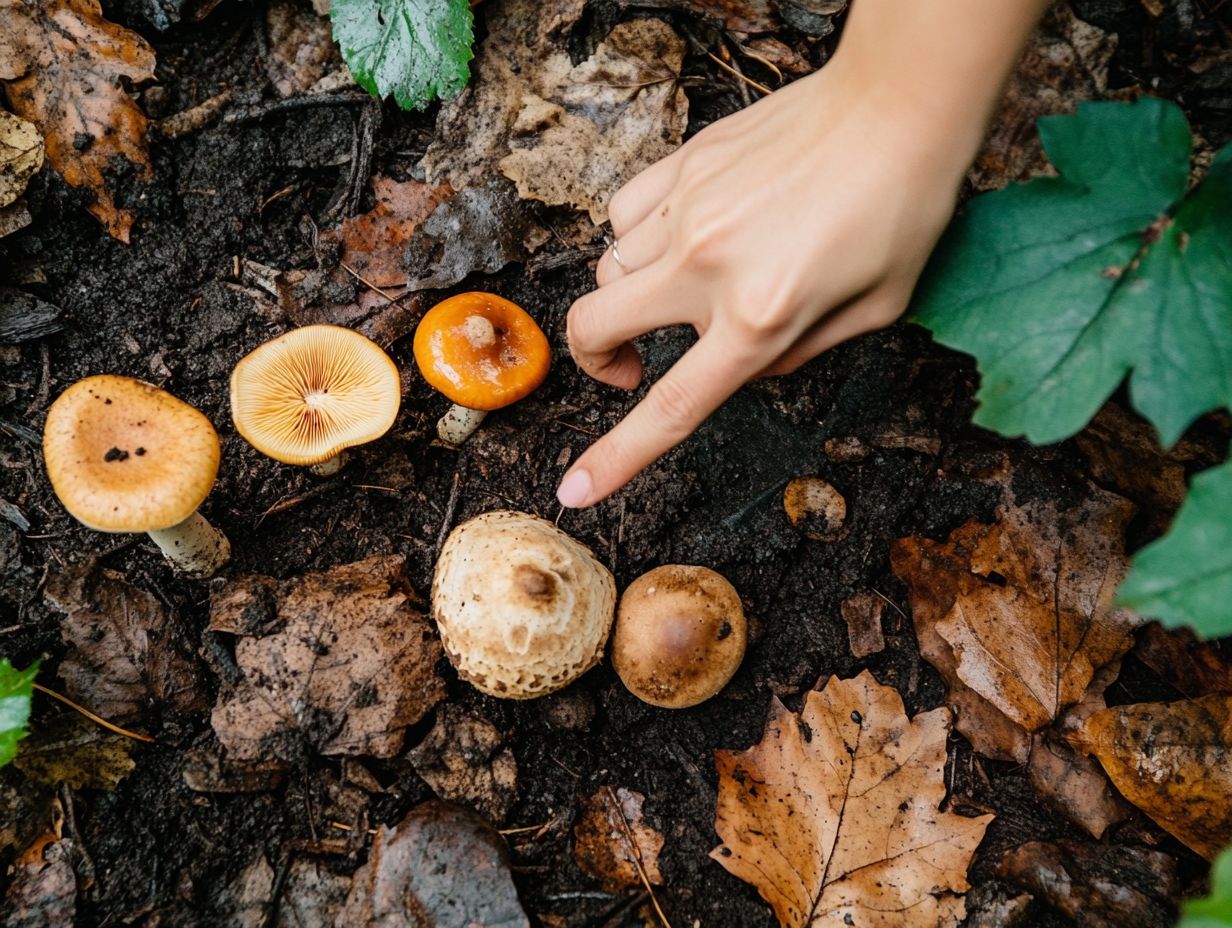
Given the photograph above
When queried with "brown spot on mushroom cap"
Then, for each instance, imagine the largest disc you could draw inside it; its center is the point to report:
(313, 392)
(90, 444)
(680, 635)
(522, 608)
(816, 508)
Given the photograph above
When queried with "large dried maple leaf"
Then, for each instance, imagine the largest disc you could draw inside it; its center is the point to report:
(338, 661)
(62, 63)
(1017, 616)
(834, 815)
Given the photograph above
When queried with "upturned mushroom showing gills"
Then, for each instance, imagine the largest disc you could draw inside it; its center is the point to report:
(483, 352)
(680, 636)
(522, 608)
(305, 397)
(125, 456)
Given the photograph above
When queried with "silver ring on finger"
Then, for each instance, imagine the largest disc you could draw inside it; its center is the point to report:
(616, 256)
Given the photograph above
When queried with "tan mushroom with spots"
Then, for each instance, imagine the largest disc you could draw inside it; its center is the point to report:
(680, 636)
(523, 609)
(124, 456)
(308, 395)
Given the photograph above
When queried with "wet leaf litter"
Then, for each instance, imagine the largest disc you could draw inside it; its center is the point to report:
(279, 828)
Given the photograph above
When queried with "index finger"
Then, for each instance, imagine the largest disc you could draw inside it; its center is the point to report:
(680, 401)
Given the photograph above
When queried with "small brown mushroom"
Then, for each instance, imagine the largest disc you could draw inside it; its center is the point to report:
(816, 508)
(680, 635)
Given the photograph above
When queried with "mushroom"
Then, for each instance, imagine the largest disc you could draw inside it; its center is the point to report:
(523, 609)
(125, 456)
(680, 635)
(482, 352)
(308, 395)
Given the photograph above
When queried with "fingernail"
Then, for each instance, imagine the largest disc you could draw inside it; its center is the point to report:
(574, 491)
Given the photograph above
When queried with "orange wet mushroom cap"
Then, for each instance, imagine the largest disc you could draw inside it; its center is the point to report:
(483, 353)
(308, 395)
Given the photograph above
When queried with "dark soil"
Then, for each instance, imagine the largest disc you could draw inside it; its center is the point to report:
(160, 309)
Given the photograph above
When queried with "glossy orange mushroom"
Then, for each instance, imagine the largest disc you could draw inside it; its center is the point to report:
(483, 352)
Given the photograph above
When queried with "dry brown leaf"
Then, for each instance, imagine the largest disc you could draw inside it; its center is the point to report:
(1173, 761)
(439, 866)
(43, 887)
(129, 659)
(612, 839)
(310, 896)
(862, 613)
(1195, 668)
(76, 751)
(346, 663)
(21, 155)
(1017, 616)
(834, 815)
(603, 122)
(14, 218)
(464, 760)
(374, 244)
(62, 65)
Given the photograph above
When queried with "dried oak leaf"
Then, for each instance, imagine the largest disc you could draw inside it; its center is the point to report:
(1173, 761)
(440, 866)
(373, 244)
(21, 155)
(834, 815)
(1017, 616)
(129, 659)
(62, 66)
(605, 121)
(612, 840)
(344, 665)
(464, 760)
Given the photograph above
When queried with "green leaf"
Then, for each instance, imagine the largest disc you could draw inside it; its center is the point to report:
(1185, 578)
(1062, 286)
(1215, 910)
(16, 690)
(416, 50)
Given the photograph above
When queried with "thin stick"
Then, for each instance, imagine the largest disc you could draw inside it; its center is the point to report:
(369, 284)
(110, 726)
(637, 856)
(756, 85)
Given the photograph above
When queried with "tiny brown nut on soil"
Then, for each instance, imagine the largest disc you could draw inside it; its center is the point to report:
(680, 635)
(522, 608)
(816, 508)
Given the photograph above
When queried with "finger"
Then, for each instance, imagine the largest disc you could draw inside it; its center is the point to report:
(635, 200)
(640, 247)
(866, 314)
(674, 407)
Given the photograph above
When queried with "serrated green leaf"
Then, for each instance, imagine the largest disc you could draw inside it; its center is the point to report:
(415, 50)
(1062, 286)
(16, 690)
(1214, 910)
(1185, 578)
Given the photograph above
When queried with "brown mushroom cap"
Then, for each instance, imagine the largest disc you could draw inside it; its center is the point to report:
(125, 456)
(523, 609)
(680, 635)
(313, 392)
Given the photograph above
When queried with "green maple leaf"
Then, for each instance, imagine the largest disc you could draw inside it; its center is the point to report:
(416, 50)
(16, 690)
(1062, 286)
(1214, 910)
(1185, 578)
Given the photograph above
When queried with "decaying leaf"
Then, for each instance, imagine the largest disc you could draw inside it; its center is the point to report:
(374, 244)
(1195, 668)
(1173, 761)
(129, 659)
(14, 218)
(24, 810)
(464, 760)
(310, 897)
(862, 613)
(43, 887)
(834, 815)
(606, 120)
(737, 15)
(1096, 886)
(78, 752)
(301, 47)
(21, 155)
(612, 840)
(338, 661)
(24, 316)
(440, 865)
(812, 17)
(1017, 616)
(1065, 62)
(206, 771)
(62, 66)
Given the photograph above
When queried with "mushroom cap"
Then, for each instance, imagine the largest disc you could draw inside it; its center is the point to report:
(125, 456)
(313, 392)
(680, 635)
(478, 365)
(523, 609)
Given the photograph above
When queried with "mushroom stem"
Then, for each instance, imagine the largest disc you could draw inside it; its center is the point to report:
(330, 467)
(194, 547)
(457, 425)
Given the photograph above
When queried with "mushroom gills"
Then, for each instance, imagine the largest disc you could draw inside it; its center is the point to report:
(459, 424)
(194, 547)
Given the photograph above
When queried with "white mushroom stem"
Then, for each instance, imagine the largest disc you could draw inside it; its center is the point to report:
(457, 425)
(194, 547)
(330, 467)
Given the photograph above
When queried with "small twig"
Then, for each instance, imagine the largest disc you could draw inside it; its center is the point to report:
(637, 855)
(98, 720)
(734, 72)
(275, 900)
(369, 284)
(195, 118)
(450, 508)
